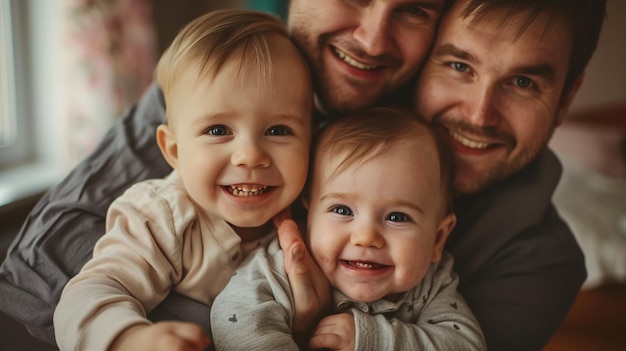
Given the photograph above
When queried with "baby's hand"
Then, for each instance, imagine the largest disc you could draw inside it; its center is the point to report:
(335, 332)
(167, 336)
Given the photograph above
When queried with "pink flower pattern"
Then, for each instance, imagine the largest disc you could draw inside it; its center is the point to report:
(109, 57)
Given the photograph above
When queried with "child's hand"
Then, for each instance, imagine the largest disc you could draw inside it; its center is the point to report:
(311, 291)
(167, 336)
(335, 332)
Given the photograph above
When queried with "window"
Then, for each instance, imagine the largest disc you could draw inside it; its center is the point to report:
(29, 155)
(7, 116)
(14, 147)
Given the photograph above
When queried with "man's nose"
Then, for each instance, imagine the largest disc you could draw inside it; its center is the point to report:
(250, 154)
(480, 107)
(372, 32)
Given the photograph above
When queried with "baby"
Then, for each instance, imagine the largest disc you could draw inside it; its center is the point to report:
(238, 101)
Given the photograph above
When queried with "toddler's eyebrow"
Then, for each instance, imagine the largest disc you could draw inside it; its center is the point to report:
(335, 195)
(219, 116)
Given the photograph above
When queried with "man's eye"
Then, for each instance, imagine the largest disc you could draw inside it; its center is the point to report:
(524, 82)
(458, 66)
(397, 217)
(217, 130)
(278, 131)
(341, 210)
(414, 10)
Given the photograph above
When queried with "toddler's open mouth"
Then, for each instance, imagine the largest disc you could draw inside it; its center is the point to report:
(247, 190)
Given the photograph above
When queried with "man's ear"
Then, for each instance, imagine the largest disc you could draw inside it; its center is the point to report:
(443, 231)
(568, 98)
(167, 143)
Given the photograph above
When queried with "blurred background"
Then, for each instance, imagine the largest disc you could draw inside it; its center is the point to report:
(69, 68)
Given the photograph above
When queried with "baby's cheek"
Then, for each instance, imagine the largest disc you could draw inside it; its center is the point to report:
(411, 275)
(322, 258)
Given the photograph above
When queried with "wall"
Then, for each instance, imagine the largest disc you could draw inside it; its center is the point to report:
(171, 16)
(605, 79)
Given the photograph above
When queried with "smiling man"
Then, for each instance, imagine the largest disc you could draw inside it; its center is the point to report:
(499, 110)
(500, 78)
(362, 51)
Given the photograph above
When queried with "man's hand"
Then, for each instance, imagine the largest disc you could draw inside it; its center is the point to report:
(310, 288)
(335, 332)
(166, 336)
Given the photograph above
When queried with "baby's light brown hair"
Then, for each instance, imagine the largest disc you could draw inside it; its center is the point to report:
(371, 133)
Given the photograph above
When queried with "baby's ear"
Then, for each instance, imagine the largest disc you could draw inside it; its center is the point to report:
(167, 143)
(443, 230)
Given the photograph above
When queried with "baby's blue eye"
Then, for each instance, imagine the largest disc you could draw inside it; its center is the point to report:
(397, 217)
(342, 210)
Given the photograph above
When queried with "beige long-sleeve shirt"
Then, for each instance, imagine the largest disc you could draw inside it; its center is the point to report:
(156, 241)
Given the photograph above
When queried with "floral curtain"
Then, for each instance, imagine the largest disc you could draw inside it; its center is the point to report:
(110, 52)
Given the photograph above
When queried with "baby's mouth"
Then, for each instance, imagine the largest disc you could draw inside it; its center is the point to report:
(364, 265)
(247, 190)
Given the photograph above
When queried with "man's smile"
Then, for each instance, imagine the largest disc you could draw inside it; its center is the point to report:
(351, 61)
(467, 142)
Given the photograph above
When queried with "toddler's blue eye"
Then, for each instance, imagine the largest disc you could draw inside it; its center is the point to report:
(342, 210)
(217, 130)
(278, 131)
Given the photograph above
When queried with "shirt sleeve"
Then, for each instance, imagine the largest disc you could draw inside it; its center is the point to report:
(254, 311)
(134, 266)
(441, 320)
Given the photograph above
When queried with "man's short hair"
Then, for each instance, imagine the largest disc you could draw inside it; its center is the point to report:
(585, 18)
